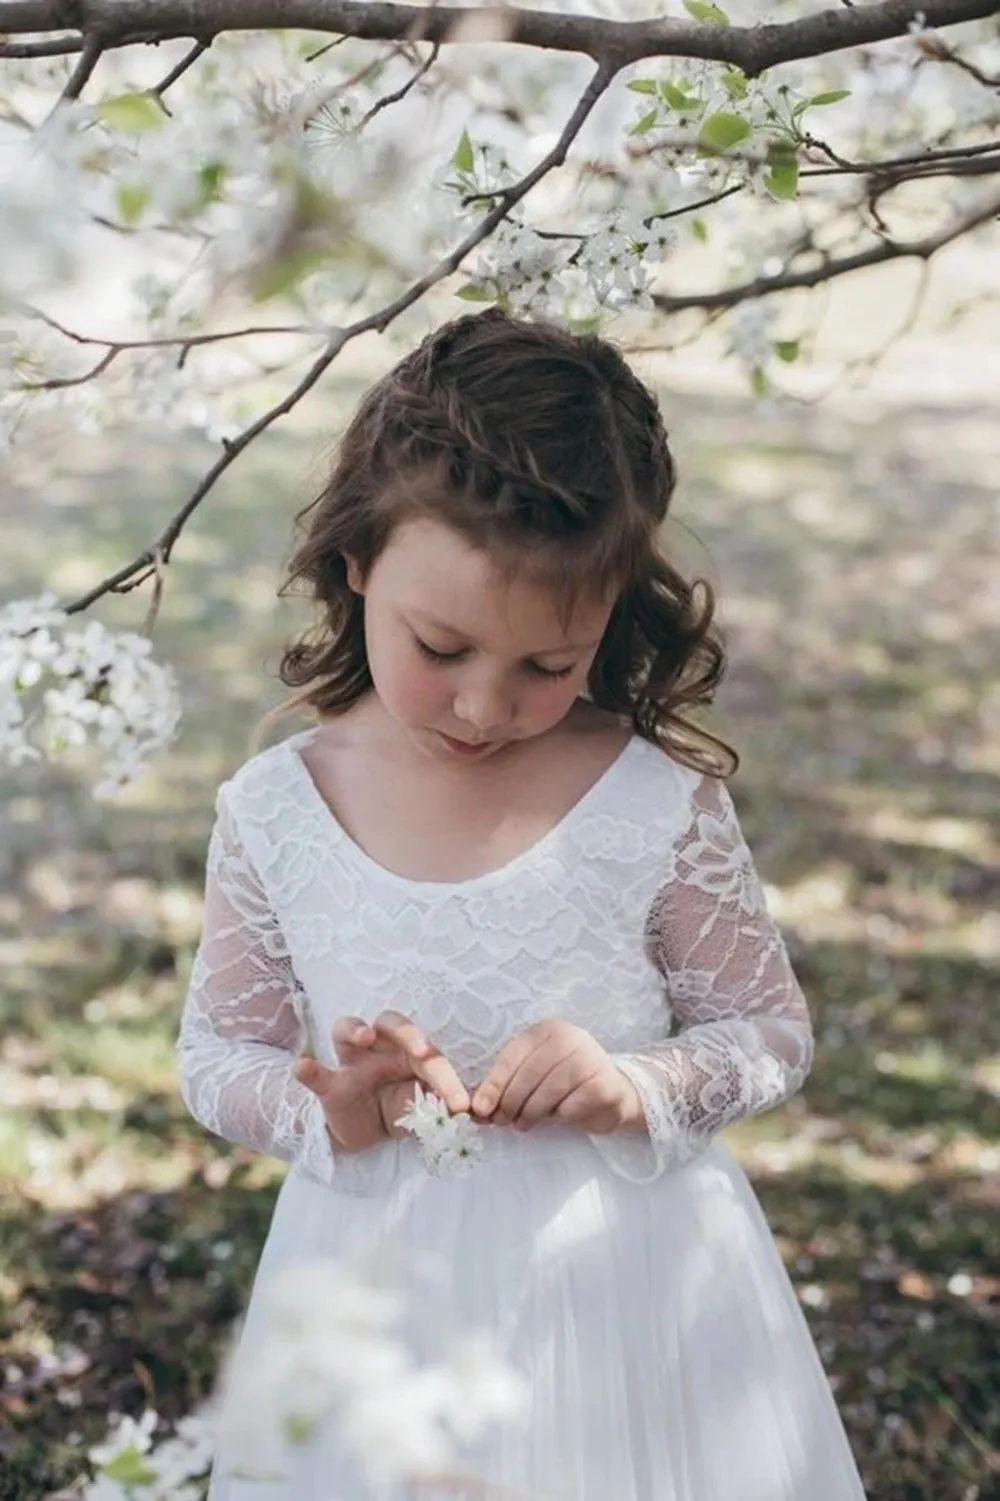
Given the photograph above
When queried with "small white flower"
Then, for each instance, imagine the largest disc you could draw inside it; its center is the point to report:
(23, 615)
(449, 1144)
(127, 1435)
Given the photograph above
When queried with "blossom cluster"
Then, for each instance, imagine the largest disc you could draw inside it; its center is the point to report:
(336, 1358)
(450, 1145)
(266, 177)
(131, 1469)
(331, 1365)
(63, 685)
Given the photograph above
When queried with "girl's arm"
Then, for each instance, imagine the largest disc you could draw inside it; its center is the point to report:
(244, 1019)
(745, 1043)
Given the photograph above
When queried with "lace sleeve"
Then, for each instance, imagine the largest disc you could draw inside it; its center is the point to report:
(243, 1022)
(745, 1043)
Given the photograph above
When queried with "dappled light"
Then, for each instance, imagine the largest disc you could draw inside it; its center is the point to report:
(854, 563)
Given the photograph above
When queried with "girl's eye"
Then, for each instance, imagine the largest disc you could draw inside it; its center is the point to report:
(442, 658)
(549, 672)
(436, 656)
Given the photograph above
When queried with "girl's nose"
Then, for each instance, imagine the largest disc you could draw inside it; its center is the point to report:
(487, 712)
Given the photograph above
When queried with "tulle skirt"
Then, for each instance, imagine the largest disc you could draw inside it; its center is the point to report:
(662, 1343)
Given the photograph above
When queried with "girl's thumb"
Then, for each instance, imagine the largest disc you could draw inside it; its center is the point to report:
(312, 1074)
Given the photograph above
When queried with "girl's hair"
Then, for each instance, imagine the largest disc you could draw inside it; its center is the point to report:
(543, 449)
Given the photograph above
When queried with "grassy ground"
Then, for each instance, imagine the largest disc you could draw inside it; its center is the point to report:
(854, 558)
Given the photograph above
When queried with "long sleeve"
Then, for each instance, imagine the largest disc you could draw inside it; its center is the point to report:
(243, 1022)
(745, 1042)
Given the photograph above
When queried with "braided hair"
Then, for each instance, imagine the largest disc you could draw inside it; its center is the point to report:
(545, 450)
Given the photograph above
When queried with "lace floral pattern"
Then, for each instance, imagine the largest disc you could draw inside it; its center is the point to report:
(639, 907)
(746, 1041)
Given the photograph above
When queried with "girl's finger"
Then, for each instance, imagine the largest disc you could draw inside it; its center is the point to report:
(557, 1086)
(352, 1031)
(395, 1028)
(314, 1075)
(352, 1036)
(549, 1054)
(428, 1063)
(505, 1066)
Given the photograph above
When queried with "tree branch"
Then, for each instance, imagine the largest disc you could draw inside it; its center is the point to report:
(918, 159)
(752, 48)
(114, 347)
(829, 270)
(90, 56)
(57, 46)
(125, 578)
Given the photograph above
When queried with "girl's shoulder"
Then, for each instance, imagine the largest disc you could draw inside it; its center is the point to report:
(266, 773)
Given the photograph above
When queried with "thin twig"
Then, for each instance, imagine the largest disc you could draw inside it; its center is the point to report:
(828, 270)
(936, 49)
(187, 61)
(124, 579)
(398, 94)
(312, 105)
(90, 56)
(154, 604)
(165, 342)
(63, 382)
(322, 51)
(916, 159)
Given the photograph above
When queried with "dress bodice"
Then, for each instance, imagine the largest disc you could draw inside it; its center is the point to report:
(557, 931)
(639, 909)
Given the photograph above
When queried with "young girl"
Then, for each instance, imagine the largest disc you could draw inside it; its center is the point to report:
(500, 866)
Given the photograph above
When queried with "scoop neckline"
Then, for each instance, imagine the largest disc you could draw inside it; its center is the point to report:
(486, 878)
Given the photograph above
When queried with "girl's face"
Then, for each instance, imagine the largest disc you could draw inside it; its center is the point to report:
(464, 662)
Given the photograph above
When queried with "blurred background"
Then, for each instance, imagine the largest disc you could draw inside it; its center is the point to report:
(852, 533)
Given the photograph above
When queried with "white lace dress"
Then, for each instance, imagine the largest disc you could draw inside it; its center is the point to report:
(634, 1281)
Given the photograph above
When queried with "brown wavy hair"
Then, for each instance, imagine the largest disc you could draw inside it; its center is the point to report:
(545, 450)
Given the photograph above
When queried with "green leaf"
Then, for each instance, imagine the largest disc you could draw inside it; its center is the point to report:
(758, 382)
(473, 293)
(465, 158)
(133, 114)
(832, 96)
(702, 10)
(642, 86)
(646, 123)
(211, 175)
(722, 131)
(131, 199)
(129, 1468)
(699, 229)
(678, 98)
(782, 179)
(788, 350)
(299, 1428)
(735, 83)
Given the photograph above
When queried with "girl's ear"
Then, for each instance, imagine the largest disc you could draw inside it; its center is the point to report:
(355, 577)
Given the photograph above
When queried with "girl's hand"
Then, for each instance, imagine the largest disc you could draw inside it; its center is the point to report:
(557, 1069)
(379, 1066)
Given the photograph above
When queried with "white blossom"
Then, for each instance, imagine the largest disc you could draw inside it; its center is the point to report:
(341, 1369)
(63, 686)
(449, 1144)
(751, 333)
(128, 1434)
